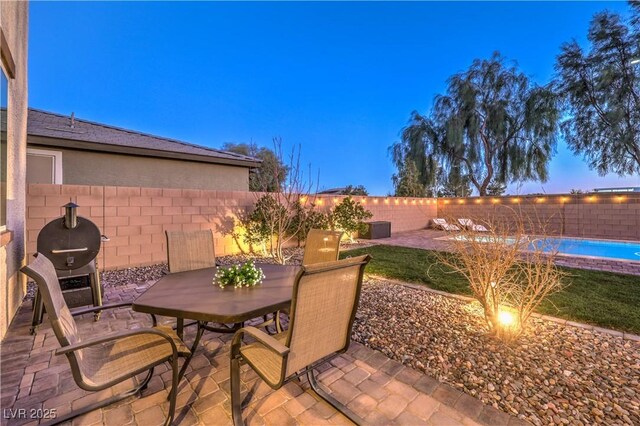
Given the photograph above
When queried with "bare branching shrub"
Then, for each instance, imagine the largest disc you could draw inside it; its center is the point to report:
(280, 218)
(509, 271)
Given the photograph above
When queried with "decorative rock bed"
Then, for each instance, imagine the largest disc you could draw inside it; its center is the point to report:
(552, 374)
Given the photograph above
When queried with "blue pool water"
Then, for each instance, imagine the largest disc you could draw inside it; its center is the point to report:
(583, 247)
(596, 248)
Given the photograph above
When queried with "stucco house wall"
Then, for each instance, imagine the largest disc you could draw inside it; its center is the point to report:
(14, 26)
(108, 169)
(64, 149)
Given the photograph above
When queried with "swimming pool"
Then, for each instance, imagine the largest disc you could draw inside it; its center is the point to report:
(619, 250)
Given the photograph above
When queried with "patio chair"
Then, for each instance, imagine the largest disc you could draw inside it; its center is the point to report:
(323, 307)
(321, 246)
(469, 224)
(100, 362)
(189, 250)
(442, 224)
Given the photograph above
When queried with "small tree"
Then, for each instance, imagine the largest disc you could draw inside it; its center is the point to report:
(355, 190)
(407, 181)
(349, 216)
(496, 188)
(259, 225)
(307, 218)
(509, 283)
(271, 173)
(281, 222)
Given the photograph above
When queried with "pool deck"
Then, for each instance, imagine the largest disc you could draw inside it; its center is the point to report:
(430, 239)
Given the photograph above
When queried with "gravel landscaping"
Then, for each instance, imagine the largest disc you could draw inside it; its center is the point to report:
(553, 374)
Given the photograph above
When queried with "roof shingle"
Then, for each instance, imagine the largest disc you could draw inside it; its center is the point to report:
(50, 125)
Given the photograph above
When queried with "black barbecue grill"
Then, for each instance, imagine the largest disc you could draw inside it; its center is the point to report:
(71, 243)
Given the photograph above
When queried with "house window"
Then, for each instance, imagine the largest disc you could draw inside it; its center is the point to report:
(44, 166)
(3, 150)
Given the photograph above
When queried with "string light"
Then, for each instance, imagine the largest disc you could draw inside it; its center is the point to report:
(461, 201)
(375, 201)
(540, 199)
(495, 201)
(446, 201)
(478, 200)
(515, 200)
(386, 201)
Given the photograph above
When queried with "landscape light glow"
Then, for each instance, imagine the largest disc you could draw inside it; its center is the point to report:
(506, 319)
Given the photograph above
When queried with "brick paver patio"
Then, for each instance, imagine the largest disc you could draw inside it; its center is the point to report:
(380, 390)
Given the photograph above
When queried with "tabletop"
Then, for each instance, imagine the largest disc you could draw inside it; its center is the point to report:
(192, 295)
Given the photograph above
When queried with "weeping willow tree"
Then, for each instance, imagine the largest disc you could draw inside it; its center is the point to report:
(601, 89)
(492, 125)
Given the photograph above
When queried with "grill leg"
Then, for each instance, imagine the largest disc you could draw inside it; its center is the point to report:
(96, 292)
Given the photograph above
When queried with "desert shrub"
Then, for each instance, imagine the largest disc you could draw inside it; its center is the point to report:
(509, 272)
(307, 218)
(349, 216)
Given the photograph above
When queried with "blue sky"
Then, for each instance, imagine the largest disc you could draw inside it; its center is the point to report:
(340, 79)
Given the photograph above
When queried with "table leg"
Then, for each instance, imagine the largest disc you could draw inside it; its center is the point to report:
(180, 328)
(193, 350)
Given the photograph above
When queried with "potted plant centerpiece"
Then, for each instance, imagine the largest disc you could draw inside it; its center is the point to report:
(245, 275)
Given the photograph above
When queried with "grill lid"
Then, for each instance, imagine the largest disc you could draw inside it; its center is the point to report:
(69, 248)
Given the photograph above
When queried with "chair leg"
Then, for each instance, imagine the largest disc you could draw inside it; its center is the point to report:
(236, 403)
(315, 386)
(173, 394)
(100, 404)
(145, 382)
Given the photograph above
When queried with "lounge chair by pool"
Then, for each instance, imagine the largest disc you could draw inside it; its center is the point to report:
(442, 224)
(468, 224)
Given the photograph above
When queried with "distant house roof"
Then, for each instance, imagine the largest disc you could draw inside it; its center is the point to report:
(619, 189)
(332, 191)
(68, 132)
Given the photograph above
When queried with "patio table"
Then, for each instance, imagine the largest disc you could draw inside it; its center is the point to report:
(192, 295)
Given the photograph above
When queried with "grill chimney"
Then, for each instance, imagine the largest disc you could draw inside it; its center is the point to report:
(70, 215)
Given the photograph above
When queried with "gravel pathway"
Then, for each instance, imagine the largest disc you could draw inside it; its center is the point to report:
(553, 374)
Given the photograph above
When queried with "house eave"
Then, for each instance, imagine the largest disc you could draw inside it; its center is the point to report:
(128, 150)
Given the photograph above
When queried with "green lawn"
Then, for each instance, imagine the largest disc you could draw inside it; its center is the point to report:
(600, 298)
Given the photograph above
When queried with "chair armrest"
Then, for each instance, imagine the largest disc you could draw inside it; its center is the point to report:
(83, 311)
(115, 336)
(262, 337)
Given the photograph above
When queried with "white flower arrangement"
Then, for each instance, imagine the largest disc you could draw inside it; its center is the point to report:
(245, 275)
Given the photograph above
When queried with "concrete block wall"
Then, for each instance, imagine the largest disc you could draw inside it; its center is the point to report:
(608, 216)
(135, 218)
